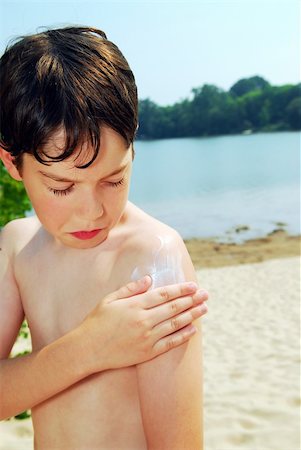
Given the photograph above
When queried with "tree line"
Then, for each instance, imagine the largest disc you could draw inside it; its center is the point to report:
(251, 104)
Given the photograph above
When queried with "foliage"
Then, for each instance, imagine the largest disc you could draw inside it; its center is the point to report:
(246, 85)
(293, 113)
(13, 198)
(251, 104)
(23, 415)
(24, 331)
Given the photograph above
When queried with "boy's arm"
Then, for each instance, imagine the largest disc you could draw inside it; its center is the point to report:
(170, 390)
(120, 321)
(28, 380)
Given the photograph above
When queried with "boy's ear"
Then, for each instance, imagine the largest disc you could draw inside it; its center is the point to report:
(8, 161)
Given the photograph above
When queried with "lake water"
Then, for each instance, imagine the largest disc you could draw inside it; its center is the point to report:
(206, 187)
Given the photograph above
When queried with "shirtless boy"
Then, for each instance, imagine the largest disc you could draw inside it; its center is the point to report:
(100, 376)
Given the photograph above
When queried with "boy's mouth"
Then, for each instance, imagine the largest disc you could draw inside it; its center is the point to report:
(83, 235)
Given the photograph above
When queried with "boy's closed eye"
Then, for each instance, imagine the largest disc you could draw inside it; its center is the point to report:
(71, 188)
(61, 191)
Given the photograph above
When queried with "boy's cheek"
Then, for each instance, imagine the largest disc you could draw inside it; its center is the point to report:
(49, 210)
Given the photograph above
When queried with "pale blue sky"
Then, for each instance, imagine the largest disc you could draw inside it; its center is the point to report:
(173, 46)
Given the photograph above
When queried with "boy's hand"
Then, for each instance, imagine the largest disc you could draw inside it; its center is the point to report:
(140, 325)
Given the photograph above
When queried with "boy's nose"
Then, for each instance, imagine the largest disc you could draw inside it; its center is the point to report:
(92, 208)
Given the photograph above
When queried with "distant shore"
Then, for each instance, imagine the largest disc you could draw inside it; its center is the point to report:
(207, 253)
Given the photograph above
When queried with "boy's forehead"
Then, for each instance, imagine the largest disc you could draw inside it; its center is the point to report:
(113, 154)
(112, 147)
(56, 145)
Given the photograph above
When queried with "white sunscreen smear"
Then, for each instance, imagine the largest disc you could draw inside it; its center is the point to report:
(164, 265)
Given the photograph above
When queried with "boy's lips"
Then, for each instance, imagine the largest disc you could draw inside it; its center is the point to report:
(83, 235)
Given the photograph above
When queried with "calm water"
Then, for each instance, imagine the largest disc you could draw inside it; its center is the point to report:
(206, 187)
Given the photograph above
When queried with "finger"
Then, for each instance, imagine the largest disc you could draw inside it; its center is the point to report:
(174, 340)
(174, 307)
(202, 293)
(166, 293)
(131, 289)
(178, 322)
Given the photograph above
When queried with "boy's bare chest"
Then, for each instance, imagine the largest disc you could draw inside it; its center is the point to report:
(58, 293)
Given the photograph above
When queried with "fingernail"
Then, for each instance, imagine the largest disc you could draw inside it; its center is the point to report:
(204, 308)
(201, 310)
(147, 279)
(192, 285)
(200, 295)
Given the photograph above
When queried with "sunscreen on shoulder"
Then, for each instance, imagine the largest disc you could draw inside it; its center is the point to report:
(164, 264)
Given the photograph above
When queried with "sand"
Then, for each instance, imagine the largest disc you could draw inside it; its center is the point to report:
(252, 356)
(251, 349)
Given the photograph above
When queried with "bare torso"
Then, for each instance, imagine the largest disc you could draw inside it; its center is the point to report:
(59, 287)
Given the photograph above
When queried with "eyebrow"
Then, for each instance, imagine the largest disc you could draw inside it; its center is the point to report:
(68, 180)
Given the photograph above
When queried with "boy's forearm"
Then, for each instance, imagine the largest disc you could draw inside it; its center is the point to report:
(28, 380)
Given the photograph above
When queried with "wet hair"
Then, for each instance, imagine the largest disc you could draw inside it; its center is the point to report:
(69, 78)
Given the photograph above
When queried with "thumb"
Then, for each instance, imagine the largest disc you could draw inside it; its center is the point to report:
(130, 289)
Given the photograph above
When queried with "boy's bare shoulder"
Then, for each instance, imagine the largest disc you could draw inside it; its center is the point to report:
(17, 233)
(148, 231)
(156, 246)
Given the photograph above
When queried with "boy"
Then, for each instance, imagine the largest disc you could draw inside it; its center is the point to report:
(68, 121)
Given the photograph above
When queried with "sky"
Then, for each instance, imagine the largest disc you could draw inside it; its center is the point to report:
(174, 46)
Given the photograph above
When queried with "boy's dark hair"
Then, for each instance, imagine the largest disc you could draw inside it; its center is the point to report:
(72, 78)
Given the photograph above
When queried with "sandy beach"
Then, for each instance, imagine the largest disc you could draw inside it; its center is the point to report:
(251, 346)
(251, 356)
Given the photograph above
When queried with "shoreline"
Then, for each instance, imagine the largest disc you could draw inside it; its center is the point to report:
(208, 253)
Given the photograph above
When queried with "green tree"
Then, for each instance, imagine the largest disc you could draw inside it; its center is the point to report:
(253, 103)
(246, 85)
(280, 98)
(148, 117)
(206, 98)
(293, 113)
(14, 202)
